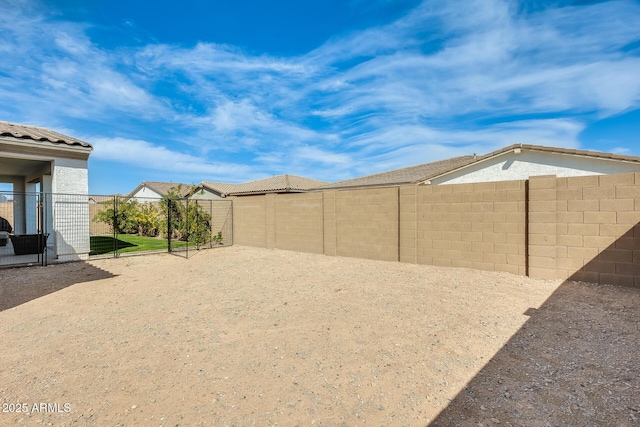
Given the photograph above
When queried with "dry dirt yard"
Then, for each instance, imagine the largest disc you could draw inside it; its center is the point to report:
(244, 336)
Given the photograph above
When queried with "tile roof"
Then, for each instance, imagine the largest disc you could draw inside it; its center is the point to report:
(163, 188)
(277, 184)
(38, 134)
(406, 175)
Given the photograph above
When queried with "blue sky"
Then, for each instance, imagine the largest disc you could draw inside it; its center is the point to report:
(205, 90)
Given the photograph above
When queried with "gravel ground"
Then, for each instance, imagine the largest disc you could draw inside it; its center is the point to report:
(247, 336)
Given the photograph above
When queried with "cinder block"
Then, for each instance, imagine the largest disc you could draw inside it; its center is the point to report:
(506, 227)
(543, 194)
(493, 237)
(562, 206)
(441, 244)
(626, 268)
(472, 236)
(574, 193)
(482, 207)
(482, 226)
(574, 264)
(482, 247)
(542, 182)
(516, 259)
(583, 229)
(462, 188)
(616, 180)
(507, 268)
(451, 235)
(585, 276)
(628, 192)
(586, 254)
(494, 196)
(505, 207)
(442, 262)
(543, 206)
(582, 181)
(451, 254)
(542, 228)
(569, 217)
(461, 263)
(617, 279)
(630, 218)
(495, 258)
(453, 197)
(509, 185)
(600, 218)
(518, 239)
(543, 217)
(569, 240)
(583, 205)
(461, 245)
(628, 243)
(616, 230)
(542, 272)
(506, 248)
(481, 187)
(486, 266)
(598, 193)
(617, 255)
(472, 256)
(600, 242)
(515, 196)
(540, 251)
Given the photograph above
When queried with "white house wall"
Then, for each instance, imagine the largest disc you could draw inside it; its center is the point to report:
(69, 209)
(204, 194)
(144, 194)
(511, 166)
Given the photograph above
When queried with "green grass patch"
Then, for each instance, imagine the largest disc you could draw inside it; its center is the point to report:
(104, 245)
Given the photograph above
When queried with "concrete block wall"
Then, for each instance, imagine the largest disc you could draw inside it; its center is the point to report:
(480, 226)
(581, 228)
(367, 223)
(299, 222)
(249, 221)
(598, 229)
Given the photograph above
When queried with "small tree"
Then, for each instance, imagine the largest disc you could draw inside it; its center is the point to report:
(147, 220)
(188, 220)
(124, 219)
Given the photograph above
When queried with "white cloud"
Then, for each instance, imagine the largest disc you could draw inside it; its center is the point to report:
(146, 155)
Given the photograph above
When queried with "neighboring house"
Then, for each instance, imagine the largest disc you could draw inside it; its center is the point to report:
(408, 175)
(34, 160)
(150, 190)
(515, 162)
(276, 184)
(521, 161)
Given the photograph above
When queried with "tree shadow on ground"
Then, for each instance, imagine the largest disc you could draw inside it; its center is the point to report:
(575, 361)
(22, 284)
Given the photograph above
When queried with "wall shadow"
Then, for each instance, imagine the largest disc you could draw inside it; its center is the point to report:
(575, 361)
(618, 264)
(19, 285)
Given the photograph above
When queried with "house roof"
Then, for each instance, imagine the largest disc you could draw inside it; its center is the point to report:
(162, 188)
(406, 175)
(38, 134)
(277, 184)
(540, 148)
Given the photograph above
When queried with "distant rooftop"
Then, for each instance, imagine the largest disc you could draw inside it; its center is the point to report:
(277, 184)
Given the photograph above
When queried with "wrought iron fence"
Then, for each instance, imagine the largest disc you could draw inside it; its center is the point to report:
(40, 228)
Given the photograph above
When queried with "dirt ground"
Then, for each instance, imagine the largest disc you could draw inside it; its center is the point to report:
(244, 336)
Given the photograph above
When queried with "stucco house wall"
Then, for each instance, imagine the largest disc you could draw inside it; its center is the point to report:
(522, 165)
